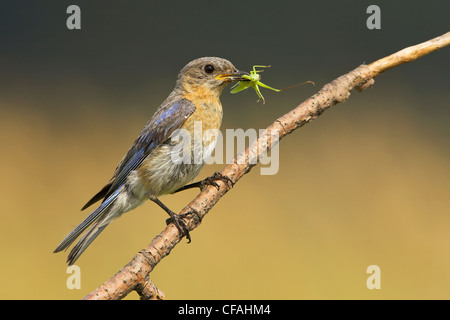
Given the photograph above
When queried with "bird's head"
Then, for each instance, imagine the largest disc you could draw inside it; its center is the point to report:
(208, 74)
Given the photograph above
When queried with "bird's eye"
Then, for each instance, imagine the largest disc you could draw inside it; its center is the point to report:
(209, 68)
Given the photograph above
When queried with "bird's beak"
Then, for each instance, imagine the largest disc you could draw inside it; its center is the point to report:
(233, 76)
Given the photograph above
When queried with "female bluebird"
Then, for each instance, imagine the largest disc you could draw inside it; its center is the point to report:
(148, 170)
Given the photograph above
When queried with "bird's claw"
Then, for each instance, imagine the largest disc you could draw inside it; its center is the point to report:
(210, 181)
(178, 221)
(181, 226)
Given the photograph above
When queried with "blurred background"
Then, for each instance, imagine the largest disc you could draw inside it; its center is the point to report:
(367, 183)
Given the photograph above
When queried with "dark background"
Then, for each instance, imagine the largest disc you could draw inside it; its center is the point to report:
(366, 183)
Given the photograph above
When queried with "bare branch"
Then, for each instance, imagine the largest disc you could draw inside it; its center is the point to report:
(135, 275)
(409, 54)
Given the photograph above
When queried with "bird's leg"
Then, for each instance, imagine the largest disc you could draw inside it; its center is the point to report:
(209, 181)
(175, 218)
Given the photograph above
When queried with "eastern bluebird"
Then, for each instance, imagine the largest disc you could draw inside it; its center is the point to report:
(148, 171)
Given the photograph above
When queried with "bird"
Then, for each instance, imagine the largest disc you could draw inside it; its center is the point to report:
(148, 170)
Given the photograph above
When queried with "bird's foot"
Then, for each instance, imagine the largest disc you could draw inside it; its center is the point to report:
(179, 222)
(210, 181)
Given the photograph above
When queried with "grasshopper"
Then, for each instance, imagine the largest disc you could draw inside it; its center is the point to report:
(253, 80)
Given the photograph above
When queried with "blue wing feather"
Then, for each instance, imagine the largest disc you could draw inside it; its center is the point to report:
(165, 121)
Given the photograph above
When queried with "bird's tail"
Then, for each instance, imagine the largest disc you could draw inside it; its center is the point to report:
(99, 219)
(86, 240)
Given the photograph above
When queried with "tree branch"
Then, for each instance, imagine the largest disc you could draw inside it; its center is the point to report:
(135, 275)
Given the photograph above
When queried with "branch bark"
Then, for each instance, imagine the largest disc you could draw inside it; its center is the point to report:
(135, 275)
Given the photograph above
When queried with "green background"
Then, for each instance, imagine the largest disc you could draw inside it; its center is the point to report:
(366, 183)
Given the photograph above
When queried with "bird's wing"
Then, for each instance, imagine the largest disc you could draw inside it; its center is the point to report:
(158, 129)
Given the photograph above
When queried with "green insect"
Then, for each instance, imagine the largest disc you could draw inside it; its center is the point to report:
(253, 81)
